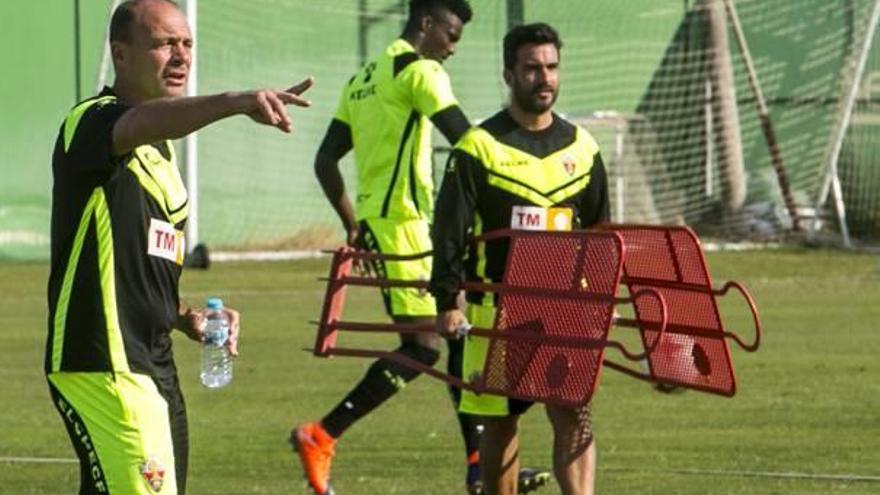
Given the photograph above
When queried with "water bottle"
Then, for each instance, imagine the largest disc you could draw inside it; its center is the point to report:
(216, 361)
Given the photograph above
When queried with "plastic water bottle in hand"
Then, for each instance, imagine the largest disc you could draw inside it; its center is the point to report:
(216, 361)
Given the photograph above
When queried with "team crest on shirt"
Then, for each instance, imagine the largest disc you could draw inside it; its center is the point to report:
(569, 164)
(154, 473)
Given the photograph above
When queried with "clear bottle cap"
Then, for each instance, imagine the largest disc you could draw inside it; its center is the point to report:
(215, 303)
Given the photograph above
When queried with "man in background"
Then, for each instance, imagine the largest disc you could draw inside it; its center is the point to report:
(524, 159)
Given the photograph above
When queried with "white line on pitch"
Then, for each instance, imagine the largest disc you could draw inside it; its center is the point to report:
(38, 460)
(762, 474)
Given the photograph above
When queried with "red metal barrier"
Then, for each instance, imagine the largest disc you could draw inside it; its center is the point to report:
(556, 306)
(694, 353)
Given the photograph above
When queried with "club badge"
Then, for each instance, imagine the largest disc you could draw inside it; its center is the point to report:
(569, 164)
(153, 473)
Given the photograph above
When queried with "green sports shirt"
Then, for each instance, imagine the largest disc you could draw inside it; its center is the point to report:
(116, 248)
(387, 106)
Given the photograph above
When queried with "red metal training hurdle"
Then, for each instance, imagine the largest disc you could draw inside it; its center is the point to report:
(555, 309)
(694, 352)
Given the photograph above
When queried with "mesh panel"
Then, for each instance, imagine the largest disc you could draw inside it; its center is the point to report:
(586, 266)
(694, 352)
(689, 257)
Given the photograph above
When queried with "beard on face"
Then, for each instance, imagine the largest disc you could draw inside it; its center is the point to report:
(528, 99)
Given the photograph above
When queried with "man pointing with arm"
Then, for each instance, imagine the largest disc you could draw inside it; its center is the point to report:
(118, 210)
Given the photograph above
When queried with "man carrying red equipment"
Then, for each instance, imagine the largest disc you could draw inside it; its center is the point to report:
(524, 168)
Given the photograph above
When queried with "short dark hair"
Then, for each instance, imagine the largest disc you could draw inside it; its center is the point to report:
(537, 33)
(123, 17)
(419, 8)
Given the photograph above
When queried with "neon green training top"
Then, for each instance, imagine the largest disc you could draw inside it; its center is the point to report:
(387, 105)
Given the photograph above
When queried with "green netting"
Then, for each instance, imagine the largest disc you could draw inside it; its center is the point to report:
(37, 89)
(277, 200)
(643, 64)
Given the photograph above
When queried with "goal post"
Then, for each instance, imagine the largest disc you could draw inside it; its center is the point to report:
(831, 183)
(191, 141)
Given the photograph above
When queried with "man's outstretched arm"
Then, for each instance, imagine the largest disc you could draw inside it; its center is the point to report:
(173, 118)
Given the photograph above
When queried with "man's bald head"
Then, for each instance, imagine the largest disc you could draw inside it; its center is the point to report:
(127, 14)
(151, 45)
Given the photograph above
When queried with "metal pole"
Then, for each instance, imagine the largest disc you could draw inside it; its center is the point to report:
(724, 110)
(515, 13)
(363, 28)
(620, 177)
(105, 55)
(763, 115)
(710, 137)
(401, 7)
(832, 179)
(190, 143)
(77, 46)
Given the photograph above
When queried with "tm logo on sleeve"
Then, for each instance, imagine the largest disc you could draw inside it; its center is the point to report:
(164, 241)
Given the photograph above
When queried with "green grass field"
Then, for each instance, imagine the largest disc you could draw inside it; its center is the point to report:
(808, 404)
